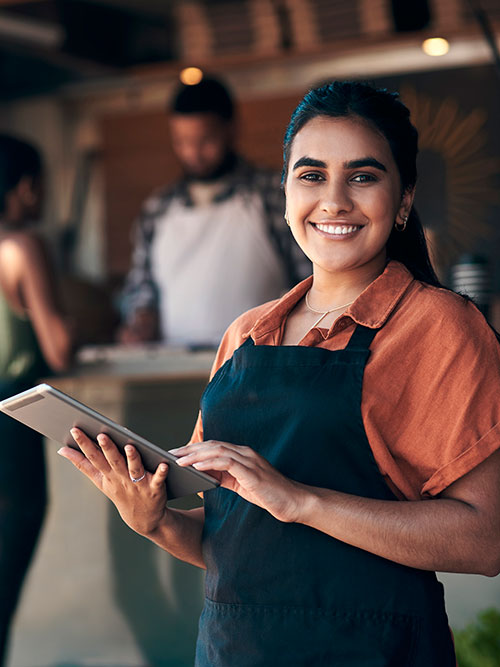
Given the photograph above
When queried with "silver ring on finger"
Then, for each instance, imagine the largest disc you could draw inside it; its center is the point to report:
(138, 479)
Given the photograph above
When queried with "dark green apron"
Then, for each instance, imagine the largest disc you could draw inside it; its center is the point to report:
(286, 594)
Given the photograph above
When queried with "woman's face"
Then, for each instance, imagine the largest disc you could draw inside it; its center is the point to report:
(343, 194)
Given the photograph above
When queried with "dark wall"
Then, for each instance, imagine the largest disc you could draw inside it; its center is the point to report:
(457, 113)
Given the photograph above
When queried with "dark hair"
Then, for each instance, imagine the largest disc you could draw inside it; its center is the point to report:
(389, 116)
(207, 96)
(17, 160)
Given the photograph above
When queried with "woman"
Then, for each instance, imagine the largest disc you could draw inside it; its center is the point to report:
(353, 425)
(34, 340)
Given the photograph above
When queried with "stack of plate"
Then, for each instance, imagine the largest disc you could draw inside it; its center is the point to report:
(471, 276)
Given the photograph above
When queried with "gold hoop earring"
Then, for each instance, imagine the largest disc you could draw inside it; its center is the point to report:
(401, 226)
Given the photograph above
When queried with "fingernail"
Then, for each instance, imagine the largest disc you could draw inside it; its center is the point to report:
(163, 467)
(59, 451)
(173, 451)
(129, 449)
(74, 432)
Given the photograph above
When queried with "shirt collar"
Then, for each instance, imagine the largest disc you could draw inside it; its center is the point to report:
(375, 304)
(371, 309)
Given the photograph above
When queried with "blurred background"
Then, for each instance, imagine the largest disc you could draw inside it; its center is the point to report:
(88, 82)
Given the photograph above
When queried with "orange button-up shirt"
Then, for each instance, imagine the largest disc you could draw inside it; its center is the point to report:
(431, 388)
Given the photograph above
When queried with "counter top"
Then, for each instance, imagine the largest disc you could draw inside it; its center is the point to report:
(138, 362)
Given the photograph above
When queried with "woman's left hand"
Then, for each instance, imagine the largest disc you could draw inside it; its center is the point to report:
(248, 474)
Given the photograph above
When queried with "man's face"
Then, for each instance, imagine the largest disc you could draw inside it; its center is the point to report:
(201, 142)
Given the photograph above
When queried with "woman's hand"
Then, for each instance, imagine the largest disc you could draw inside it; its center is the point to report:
(248, 474)
(141, 504)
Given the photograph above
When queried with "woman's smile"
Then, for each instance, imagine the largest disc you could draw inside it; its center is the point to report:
(335, 230)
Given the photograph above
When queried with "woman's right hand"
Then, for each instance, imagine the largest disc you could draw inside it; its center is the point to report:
(141, 504)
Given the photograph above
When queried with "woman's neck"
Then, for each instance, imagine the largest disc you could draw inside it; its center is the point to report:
(330, 289)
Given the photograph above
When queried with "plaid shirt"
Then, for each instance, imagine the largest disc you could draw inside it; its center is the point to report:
(140, 290)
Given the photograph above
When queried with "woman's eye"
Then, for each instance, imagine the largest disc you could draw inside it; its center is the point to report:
(311, 177)
(364, 178)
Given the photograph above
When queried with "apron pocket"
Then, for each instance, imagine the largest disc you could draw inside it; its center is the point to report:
(263, 635)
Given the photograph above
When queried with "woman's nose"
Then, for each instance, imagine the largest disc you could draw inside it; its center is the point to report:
(336, 199)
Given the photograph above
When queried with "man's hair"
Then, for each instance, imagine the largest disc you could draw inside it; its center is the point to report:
(207, 96)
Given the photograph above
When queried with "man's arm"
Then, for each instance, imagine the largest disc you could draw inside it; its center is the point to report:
(140, 298)
(296, 263)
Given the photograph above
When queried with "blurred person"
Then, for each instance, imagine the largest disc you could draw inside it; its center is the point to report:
(34, 340)
(213, 245)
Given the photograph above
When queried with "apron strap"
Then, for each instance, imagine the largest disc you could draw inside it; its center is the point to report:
(362, 338)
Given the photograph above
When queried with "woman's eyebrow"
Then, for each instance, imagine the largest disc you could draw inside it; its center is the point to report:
(309, 162)
(351, 164)
(364, 162)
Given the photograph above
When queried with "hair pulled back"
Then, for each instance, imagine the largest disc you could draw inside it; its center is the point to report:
(389, 116)
(17, 160)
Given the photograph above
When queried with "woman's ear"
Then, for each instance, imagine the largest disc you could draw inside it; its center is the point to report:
(406, 203)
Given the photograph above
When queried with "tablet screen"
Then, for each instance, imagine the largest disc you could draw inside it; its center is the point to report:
(53, 413)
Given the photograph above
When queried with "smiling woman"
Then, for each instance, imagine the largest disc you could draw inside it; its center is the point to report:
(343, 195)
(357, 451)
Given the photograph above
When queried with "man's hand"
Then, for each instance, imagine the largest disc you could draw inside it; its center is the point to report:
(142, 328)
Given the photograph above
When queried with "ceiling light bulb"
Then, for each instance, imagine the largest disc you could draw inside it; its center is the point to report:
(190, 76)
(435, 46)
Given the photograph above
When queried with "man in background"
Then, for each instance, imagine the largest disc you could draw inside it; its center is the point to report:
(213, 245)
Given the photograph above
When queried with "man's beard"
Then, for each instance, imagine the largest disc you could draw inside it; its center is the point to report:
(225, 167)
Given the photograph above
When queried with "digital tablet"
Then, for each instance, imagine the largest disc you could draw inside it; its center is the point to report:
(53, 413)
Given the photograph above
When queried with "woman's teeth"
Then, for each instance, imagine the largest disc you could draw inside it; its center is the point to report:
(337, 229)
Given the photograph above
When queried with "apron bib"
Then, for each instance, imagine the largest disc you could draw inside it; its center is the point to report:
(211, 263)
(287, 594)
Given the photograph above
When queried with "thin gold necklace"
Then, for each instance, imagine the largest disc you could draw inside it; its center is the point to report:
(321, 312)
